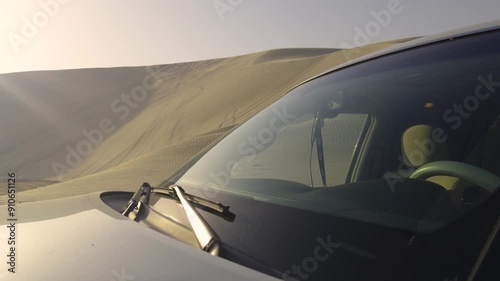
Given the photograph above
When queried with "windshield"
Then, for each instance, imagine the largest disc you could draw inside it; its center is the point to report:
(353, 143)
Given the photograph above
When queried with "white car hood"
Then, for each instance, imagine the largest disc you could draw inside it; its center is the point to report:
(87, 240)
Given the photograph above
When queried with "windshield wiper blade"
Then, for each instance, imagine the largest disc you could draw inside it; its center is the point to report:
(206, 236)
(212, 207)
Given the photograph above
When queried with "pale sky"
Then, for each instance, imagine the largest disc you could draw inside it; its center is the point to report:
(61, 34)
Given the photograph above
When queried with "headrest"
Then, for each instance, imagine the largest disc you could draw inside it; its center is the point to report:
(420, 147)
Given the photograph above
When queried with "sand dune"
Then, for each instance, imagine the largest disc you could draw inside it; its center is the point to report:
(75, 131)
(292, 54)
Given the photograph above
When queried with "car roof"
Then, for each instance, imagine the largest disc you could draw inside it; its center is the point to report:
(422, 41)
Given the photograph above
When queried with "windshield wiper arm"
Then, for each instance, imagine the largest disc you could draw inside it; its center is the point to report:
(141, 196)
(317, 138)
(207, 238)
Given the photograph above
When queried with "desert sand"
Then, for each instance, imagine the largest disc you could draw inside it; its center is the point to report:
(71, 132)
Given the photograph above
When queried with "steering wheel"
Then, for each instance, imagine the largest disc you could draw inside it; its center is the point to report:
(472, 174)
